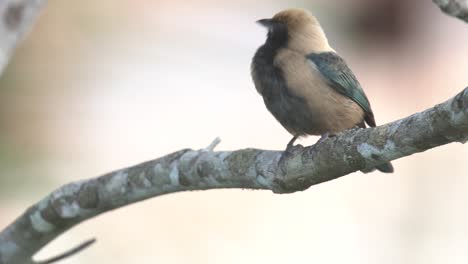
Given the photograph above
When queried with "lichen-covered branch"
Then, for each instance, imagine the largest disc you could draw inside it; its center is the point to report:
(455, 8)
(16, 19)
(187, 169)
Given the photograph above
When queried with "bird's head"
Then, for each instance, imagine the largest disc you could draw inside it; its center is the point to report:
(297, 29)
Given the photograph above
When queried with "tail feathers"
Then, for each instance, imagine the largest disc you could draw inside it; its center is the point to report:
(386, 167)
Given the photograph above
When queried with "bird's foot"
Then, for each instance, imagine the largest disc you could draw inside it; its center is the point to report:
(325, 136)
(290, 149)
(357, 127)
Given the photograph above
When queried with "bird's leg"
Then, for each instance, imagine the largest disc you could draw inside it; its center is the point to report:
(291, 142)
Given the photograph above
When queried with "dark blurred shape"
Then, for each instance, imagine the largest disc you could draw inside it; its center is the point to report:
(13, 15)
(384, 21)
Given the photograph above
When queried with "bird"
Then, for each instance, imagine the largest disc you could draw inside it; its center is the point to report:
(305, 84)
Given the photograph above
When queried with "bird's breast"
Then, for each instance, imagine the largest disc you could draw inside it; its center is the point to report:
(290, 110)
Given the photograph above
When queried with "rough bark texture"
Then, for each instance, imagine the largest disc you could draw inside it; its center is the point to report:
(455, 8)
(16, 18)
(185, 170)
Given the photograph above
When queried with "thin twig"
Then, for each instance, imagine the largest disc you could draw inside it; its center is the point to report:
(69, 253)
(213, 144)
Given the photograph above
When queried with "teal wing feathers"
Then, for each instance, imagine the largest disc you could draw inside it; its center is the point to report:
(337, 73)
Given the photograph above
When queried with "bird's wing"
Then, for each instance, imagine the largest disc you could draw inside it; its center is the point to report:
(339, 76)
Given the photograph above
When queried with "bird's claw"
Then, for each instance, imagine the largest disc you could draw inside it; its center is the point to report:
(290, 150)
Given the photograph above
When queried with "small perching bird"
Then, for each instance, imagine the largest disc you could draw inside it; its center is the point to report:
(304, 83)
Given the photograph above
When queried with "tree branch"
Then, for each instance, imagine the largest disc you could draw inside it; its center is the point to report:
(16, 19)
(185, 170)
(455, 8)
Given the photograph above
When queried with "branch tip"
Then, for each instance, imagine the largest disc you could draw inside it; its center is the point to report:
(455, 8)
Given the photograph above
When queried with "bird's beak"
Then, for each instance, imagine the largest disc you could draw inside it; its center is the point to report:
(266, 22)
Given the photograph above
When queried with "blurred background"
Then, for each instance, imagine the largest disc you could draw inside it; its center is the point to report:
(100, 85)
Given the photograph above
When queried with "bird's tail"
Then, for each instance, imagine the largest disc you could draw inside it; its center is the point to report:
(386, 167)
